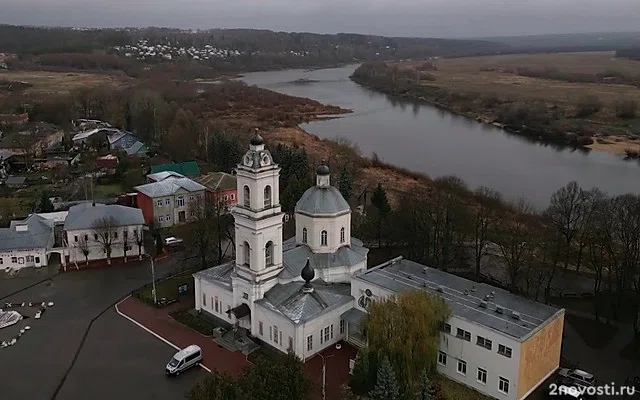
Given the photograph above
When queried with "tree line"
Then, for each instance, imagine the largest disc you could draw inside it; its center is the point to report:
(581, 230)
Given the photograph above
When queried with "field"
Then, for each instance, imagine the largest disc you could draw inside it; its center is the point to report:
(39, 82)
(497, 74)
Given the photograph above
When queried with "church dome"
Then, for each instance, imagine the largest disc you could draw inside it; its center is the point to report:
(307, 274)
(323, 169)
(257, 140)
(322, 200)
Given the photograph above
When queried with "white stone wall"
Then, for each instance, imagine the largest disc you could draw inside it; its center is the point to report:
(313, 327)
(18, 259)
(316, 225)
(270, 319)
(206, 295)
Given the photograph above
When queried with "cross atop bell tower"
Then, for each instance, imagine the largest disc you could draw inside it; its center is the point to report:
(258, 215)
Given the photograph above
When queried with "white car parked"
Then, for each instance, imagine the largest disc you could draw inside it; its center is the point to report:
(172, 241)
(578, 375)
(184, 359)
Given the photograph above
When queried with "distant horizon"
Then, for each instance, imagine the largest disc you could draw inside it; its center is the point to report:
(325, 33)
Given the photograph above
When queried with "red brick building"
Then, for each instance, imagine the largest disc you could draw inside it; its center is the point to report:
(221, 187)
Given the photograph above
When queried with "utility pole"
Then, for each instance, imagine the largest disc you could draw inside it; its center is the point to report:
(153, 276)
(324, 375)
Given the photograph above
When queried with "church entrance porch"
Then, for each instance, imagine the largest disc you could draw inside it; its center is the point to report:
(354, 335)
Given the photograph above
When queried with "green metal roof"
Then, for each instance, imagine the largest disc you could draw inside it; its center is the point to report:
(188, 169)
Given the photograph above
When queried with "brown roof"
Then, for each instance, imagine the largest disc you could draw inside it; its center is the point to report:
(218, 181)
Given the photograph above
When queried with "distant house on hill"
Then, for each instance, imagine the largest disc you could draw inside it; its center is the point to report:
(221, 187)
(121, 140)
(107, 162)
(189, 169)
(137, 149)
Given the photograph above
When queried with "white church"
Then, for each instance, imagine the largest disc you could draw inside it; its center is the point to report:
(306, 293)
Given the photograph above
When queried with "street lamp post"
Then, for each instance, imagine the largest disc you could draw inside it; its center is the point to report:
(153, 277)
(324, 375)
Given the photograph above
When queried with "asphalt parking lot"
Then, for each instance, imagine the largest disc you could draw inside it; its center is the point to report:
(115, 356)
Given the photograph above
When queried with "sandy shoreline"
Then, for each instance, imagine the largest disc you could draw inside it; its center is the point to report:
(615, 144)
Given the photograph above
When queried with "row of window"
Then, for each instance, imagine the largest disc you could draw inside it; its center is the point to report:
(216, 305)
(324, 236)
(179, 201)
(480, 341)
(22, 260)
(275, 335)
(125, 234)
(481, 374)
(163, 218)
(247, 196)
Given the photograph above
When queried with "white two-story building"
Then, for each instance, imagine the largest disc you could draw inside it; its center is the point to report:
(26, 243)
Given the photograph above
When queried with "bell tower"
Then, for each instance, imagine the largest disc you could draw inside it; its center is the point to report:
(258, 216)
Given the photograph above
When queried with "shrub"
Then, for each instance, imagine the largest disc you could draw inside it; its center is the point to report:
(588, 105)
(626, 109)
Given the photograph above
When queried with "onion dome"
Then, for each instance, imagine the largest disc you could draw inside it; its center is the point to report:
(256, 140)
(323, 169)
(307, 274)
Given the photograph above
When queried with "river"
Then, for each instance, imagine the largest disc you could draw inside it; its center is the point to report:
(425, 139)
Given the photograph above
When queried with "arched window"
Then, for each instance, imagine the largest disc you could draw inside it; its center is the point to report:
(323, 238)
(268, 254)
(247, 254)
(247, 196)
(342, 235)
(267, 196)
(304, 235)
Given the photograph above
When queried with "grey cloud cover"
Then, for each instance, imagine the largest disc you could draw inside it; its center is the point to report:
(439, 18)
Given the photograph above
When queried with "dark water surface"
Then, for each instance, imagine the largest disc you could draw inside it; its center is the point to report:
(426, 139)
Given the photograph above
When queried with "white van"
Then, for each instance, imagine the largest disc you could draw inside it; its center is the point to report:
(184, 359)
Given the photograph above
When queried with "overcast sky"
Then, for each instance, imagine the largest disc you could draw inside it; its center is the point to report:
(431, 18)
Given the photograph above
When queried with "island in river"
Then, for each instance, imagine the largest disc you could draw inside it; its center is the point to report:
(587, 100)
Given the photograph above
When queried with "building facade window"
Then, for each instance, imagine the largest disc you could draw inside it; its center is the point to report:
(95, 236)
(75, 238)
(215, 304)
(331, 331)
(247, 254)
(342, 235)
(326, 334)
(115, 235)
(180, 201)
(268, 254)
(342, 326)
(275, 334)
(267, 196)
(260, 329)
(14, 260)
(482, 376)
(29, 258)
(37, 260)
(290, 347)
(503, 385)
(247, 196)
(442, 358)
(464, 335)
(323, 238)
(447, 328)
(304, 235)
(168, 218)
(233, 196)
(309, 342)
(86, 238)
(504, 350)
(1, 261)
(159, 203)
(161, 219)
(484, 342)
(167, 202)
(204, 300)
(245, 295)
(21, 260)
(462, 367)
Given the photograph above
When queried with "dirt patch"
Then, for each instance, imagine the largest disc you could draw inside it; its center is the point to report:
(63, 82)
(595, 334)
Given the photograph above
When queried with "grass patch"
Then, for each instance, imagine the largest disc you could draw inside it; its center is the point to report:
(167, 288)
(106, 191)
(197, 322)
(264, 352)
(453, 390)
(595, 334)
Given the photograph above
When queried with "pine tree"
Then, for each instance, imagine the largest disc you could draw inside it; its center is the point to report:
(45, 204)
(426, 391)
(380, 201)
(386, 385)
(345, 184)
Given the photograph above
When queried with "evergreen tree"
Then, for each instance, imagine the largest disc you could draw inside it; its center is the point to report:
(290, 195)
(345, 184)
(45, 204)
(426, 390)
(381, 203)
(386, 385)
(159, 244)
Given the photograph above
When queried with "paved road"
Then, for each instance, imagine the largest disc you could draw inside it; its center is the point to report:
(47, 351)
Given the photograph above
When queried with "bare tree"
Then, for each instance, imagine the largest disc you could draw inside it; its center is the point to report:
(512, 238)
(211, 227)
(106, 230)
(484, 221)
(566, 211)
(139, 240)
(83, 245)
(125, 243)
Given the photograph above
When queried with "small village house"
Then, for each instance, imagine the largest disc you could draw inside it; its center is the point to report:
(221, 188)
(170, 201)
(26, 243)
(90, 228)
(107, 162)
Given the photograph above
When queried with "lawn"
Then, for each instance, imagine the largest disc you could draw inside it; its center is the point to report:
(197, 322)
(455, 391)
(107, 191)
(595, 334)
(167, 288)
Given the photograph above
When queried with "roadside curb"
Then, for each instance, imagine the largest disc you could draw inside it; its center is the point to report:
(141, 326)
